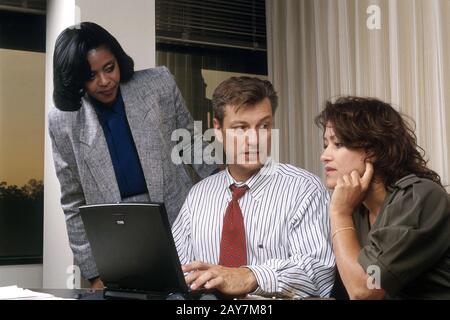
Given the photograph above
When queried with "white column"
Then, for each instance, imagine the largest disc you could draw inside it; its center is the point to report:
(57, 254)
(133, 24)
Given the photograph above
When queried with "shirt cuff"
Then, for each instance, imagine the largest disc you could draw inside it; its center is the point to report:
(88, 270)
(267, 280)
(91, 280)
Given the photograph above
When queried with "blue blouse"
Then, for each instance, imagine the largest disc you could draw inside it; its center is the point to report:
(122, 149)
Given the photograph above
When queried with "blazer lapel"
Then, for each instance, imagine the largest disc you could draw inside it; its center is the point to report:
(96, 155)
(144, 124)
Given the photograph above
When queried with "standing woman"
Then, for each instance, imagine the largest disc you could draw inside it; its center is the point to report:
(390, 215)
(111, 132)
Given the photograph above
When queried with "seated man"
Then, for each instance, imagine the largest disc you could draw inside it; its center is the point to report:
(257, 227)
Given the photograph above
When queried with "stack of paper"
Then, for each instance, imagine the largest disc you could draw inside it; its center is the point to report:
(16, 293)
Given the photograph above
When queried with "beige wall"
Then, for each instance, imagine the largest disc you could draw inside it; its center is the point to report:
(25, 276)
(22, 84)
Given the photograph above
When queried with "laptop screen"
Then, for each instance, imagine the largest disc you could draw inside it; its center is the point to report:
(133, 247)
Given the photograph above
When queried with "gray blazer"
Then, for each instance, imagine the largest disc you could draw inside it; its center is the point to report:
(154, 108)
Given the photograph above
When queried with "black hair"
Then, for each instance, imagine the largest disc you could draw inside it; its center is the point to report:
(71, 68)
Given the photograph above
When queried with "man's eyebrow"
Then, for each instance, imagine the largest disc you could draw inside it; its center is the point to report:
(238, 122)
(264, 119)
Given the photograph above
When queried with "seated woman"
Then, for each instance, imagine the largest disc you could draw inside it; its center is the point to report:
(390, 214)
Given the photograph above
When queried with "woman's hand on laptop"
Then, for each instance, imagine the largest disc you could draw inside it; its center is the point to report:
(97, 284)
(229, 281)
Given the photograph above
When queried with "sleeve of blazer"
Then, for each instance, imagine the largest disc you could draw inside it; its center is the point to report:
(185, 121)
(72, 197)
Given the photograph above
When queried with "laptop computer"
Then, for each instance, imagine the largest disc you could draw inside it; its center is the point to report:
(134, 250)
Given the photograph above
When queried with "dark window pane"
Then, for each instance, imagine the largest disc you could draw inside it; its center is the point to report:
(21, 31)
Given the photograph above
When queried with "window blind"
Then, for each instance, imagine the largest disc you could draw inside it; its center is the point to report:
(218, 23)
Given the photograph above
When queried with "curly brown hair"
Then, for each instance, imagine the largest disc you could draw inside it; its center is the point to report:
(377, 128)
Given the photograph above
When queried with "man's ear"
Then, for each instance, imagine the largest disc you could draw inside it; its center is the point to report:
(218, 130)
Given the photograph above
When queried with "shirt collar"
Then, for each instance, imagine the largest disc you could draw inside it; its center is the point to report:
(406, 181)
(255, 183)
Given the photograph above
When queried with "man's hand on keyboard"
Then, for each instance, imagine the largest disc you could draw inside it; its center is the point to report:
(229, 281)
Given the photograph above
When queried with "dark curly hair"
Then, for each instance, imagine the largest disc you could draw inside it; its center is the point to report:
(71, 68)
(377, 128)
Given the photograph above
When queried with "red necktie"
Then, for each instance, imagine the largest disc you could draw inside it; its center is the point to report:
(233, 248)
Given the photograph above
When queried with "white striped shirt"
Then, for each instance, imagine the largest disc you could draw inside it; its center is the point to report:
(286, 225)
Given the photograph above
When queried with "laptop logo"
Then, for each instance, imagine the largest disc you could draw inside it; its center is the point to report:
(120, 222)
